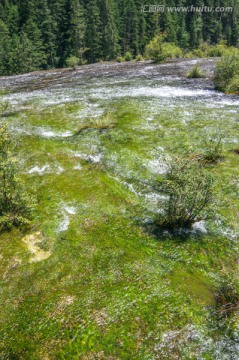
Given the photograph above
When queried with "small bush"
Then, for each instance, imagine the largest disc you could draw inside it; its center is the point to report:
(204, 47)
(199, 53)
(120, 59)
(15, 205)
(128, 56)
(4, 107)
(171, 51)
(82, 62)
(221, 49)
(72, 62)
(218, 50)
(188, 55)
(139, 57)
(195, 72)
(213, 149)
(202, 50)
(159, 51)
(189, 190)
(233, 86)
(226, 69)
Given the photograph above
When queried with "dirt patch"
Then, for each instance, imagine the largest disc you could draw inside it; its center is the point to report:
(33, 242)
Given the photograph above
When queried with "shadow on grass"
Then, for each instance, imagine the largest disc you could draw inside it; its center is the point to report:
(165, 233)
(10, 114)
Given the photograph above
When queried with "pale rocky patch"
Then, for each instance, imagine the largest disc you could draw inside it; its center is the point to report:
(32, 242)
(61, 306)
(13, 264)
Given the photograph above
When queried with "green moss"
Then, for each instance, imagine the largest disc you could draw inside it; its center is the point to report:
(196, 285)
(109, 284)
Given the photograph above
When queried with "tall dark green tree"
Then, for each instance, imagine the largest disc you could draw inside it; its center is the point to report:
(37, 52)
(76, 28)
(93, 35)
(48, 28)
(109, 31)
(5, 48)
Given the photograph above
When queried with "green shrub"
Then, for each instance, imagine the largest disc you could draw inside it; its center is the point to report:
(204, 47)
(189, 191)
(120, 59)
(233, 86)
(232, 51)
(72, 62)
(188, 55)
(128, 56)
(221, 49)
(15, 207)
(195, 72)
(218, 50)
(159, 51)
(213, 149)
(171, 51)
(199, 53)
(4, 107)
(226, 69)
(139, 57)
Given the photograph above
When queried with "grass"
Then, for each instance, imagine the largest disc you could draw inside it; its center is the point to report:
(110, 288)
(195, 72)
(103, 122)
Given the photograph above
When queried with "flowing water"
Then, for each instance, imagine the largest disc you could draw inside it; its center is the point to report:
(87, 177)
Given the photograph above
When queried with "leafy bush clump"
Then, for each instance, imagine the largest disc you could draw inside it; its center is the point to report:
(213, 149)
(233, 86)
(221, 49)
(171, 51)
(128, 56)
(202, 49)
(188, 55)
(139, 57)
(195, 72)
(218, 50)
(189, 190)
(199, 53)
(15, 207)
(120, 59)
(226, 69)
(72, 62)
(159, 51)
(4, 107)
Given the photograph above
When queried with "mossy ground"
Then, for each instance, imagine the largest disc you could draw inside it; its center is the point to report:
(111, 289)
